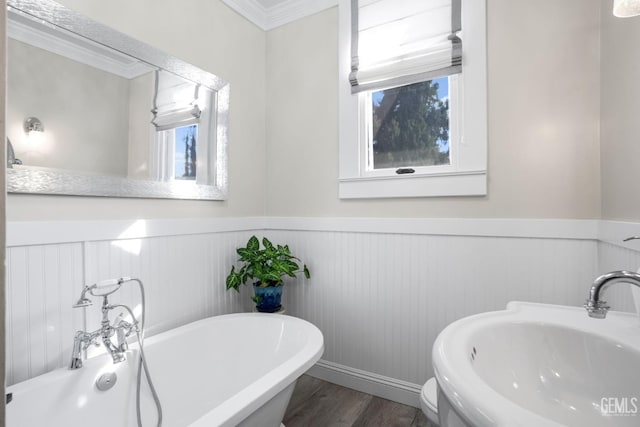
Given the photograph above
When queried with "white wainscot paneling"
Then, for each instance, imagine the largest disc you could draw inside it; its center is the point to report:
(41, 287)
(381, 290)
(183, 277)
(381, 299)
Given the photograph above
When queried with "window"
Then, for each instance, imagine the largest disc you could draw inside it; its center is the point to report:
(407, 128)
(412, 98)
(182, 127)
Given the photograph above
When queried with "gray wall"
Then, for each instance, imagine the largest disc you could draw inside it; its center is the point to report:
(620, 127)
(543, 112)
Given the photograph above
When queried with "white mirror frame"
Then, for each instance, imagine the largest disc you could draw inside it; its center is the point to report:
(20, 180)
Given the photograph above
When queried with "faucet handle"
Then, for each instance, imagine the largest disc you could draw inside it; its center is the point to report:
(123, 330)
(120, 323)
(631, 238)
(91, 340)
(121, 336)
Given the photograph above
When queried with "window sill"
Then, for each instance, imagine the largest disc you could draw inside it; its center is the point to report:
(472, 183)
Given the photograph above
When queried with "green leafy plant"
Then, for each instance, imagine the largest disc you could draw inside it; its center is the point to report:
(266, 266)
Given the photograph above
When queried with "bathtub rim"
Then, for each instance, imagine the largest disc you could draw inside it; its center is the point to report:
(238, 406)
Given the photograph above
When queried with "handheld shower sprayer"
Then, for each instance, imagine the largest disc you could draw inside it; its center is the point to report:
(100, 289)
(83, 301)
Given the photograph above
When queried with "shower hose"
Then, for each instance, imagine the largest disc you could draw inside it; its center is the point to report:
(142, 361)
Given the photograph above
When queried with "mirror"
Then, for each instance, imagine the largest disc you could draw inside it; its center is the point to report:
(94, 112)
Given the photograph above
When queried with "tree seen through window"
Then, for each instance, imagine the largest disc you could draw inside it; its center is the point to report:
(185, 152)
(411, 125)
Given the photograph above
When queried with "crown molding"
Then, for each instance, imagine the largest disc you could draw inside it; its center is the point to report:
(250, 9)
(280, 14)
(292, 10)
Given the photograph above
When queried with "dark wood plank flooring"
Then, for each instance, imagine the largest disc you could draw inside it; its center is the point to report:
(317, 403)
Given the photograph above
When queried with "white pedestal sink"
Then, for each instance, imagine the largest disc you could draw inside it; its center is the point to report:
(539, 365)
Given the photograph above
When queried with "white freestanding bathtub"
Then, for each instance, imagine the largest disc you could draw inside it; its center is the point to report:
(237, 369)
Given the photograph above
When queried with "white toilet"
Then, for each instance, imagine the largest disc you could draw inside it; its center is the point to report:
(429, 401)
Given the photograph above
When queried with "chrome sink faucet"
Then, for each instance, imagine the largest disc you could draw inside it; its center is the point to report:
(598, 308)
(120, 328)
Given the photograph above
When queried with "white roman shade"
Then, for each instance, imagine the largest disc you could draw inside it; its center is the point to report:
(175, 101)
(399, 42)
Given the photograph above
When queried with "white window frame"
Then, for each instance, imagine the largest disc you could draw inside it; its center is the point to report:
(366, 127)
(467, 173)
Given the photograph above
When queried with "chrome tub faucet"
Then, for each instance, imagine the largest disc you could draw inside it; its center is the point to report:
(120, 328)
(598, 308)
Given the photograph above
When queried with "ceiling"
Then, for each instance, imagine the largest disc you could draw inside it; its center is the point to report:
(267, 4)
(269, 14)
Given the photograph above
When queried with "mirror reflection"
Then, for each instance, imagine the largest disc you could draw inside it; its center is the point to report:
(79, 108)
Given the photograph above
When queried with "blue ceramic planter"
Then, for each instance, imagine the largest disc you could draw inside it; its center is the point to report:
(270, 298)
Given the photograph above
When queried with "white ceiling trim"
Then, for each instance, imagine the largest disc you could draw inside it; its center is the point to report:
(279, 14)
(250, 9)
(292, 10)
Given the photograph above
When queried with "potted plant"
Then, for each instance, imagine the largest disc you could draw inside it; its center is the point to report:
(265, 267)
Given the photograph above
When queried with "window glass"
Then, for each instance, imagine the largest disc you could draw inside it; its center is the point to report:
(185, 154)
(410, 126)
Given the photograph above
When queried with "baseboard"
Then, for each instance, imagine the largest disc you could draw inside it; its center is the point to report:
(367, 382)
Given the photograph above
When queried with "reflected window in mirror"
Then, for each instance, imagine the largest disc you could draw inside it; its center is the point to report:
(186, 157)
(182, 112)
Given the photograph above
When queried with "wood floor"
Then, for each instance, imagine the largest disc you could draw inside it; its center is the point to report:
(317, 403)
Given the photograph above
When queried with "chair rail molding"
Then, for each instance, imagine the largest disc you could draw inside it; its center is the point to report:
(24, 233)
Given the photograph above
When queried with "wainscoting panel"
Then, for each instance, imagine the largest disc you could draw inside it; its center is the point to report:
(381, 299)
(183, 277)
(41, 287)
(381, 290)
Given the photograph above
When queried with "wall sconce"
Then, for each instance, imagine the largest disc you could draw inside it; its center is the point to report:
(626, 8)
(32, 124)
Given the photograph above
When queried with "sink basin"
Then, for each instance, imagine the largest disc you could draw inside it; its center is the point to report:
(539, 365)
